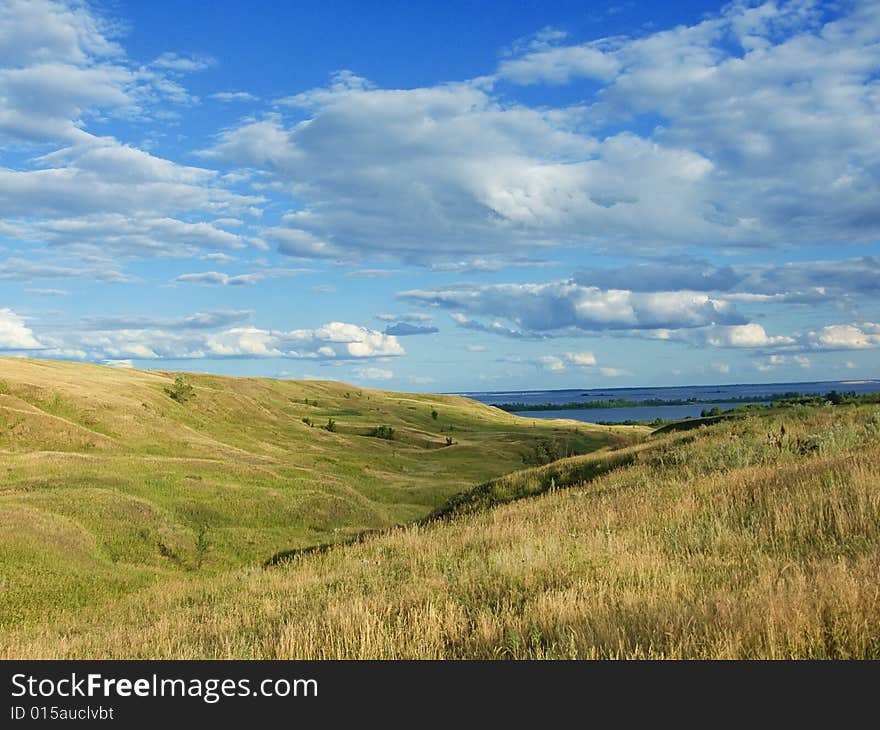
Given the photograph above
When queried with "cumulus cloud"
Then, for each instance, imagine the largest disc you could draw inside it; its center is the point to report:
(797, 282)
(558, 305)
(862, 336)
(581, 359)
(764, 135)
(104, 178)
(14, 334)
(60, 65)
(551, 363)
(62, 69)
(203, 335)
(855, 336)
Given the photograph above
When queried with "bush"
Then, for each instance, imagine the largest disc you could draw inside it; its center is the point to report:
(331, 424)
(548, 450)
(181, 391)
(383, 432)
(434, 414)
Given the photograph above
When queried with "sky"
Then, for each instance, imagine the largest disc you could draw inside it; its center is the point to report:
(458, 196)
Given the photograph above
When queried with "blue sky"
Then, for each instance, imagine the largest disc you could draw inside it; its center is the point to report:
(444, 196)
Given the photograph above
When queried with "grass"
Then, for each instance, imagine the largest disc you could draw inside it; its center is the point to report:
(757, 537)
(112, 479)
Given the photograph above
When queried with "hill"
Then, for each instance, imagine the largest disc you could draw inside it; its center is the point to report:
(756, 537)
(110, 484)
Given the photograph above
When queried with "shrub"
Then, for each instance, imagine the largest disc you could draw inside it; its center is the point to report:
(181, 391)
(434, 414)
(383, 432)
(331, 424)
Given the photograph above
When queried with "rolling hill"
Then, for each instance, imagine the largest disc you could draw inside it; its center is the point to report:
(754, 537)
(109, 484)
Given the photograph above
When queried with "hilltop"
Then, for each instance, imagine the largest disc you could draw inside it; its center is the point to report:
(110, 484)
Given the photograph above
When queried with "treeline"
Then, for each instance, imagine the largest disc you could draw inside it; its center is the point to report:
(833, 398)
(650, 402)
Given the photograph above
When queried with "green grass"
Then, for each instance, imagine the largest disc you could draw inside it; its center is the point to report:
(108, 484)
(731, 541)
(133, 526)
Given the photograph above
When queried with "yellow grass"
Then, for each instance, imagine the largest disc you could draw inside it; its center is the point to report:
(730, 542)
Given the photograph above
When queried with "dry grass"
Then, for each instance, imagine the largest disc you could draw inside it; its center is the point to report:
(729, 542)
(106, 482)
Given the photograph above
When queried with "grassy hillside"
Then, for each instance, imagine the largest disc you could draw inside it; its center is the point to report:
(108, 484)
(756, 537)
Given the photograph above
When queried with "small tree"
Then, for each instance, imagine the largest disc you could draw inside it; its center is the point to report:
(331, 424)
(203, 544)
(434, 414)
(181, 391)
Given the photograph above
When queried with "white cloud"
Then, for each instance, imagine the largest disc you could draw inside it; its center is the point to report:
(14, 334)
(580, 359)
(746, 335)
(764, 135)
(176, 62)
(413, 317)
(614, 372)
(560, 65)
(229, 96)
(48, 292)
(551, 363)
(191, 338)
(771, 362)
(220, 278)
(557, 305)
(61, 70)
(376, 374)
(350, 340)
(32, 31)
(846, 337)
(27, 270)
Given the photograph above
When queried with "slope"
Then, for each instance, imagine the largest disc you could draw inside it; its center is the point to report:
(737, 540)
(108, 484)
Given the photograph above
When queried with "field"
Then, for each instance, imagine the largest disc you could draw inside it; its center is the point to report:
(109, 485)
(756, 537)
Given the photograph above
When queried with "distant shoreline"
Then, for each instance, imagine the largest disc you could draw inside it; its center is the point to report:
(647, 403)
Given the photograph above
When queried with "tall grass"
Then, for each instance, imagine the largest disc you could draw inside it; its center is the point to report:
(731, 542)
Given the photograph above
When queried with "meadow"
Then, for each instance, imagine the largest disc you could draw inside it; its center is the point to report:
(114, 480)
(754, 537)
